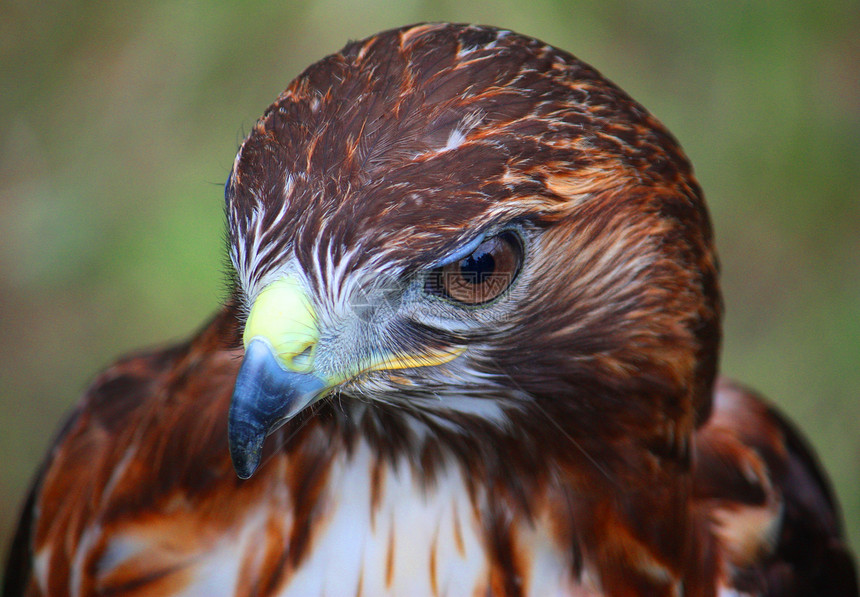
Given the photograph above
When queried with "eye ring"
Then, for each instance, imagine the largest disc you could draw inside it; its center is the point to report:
(482, 276)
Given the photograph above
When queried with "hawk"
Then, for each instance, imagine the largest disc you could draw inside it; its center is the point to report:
(471, 349)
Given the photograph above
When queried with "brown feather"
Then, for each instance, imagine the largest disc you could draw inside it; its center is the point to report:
(615, 462)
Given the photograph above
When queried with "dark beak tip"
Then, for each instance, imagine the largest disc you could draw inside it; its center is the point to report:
(244, 472)
(265, 396)
(246, 448)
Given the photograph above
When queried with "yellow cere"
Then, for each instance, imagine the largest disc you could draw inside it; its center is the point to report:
(283, 315)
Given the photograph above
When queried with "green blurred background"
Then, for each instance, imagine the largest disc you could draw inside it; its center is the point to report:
(119, 122)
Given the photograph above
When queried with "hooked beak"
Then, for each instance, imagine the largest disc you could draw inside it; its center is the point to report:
(266, 397)
(276, 380)
(278, 377)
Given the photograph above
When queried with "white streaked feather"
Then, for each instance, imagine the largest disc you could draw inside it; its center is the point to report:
(42, 567)
(218, 573)
(353, 546)
(351, 541)
(455, 139)
(79, 571)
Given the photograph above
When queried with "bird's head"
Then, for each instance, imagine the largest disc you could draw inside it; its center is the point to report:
(468, 225)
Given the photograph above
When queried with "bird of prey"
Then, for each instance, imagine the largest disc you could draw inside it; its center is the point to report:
(471, 349)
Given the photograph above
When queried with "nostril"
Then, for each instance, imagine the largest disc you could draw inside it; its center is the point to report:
(303, 359)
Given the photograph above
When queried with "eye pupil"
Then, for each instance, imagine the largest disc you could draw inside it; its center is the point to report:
(482, 276)
(476, 268)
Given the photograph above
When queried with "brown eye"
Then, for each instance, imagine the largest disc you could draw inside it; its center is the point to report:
(483, 275)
